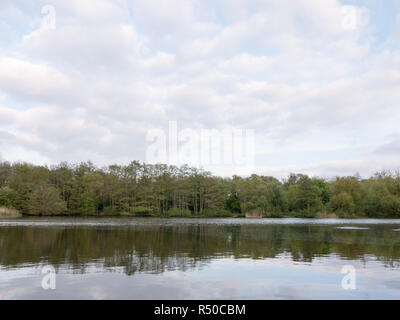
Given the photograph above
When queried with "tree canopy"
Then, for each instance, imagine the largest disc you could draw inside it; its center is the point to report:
(140, 189)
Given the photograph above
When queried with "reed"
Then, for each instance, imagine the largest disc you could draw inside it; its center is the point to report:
(9, 213)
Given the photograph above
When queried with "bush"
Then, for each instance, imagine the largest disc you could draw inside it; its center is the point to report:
(343, 202)
(7, 197)
(176, 212)
(45, 200)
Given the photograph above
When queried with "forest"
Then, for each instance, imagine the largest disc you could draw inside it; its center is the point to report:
(160, 190)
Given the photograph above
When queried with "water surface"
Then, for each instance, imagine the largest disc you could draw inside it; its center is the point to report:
(146, 258)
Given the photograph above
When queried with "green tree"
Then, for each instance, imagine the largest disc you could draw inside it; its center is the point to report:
(304, 197)
(45, 200)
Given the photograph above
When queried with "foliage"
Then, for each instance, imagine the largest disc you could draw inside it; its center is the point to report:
(45, 200)
(139, 189)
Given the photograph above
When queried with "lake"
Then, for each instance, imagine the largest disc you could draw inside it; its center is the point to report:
(151, 258)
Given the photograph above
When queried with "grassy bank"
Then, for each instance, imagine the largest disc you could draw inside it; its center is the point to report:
(7, 213)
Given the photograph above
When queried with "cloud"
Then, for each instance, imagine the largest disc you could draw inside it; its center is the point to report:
(330, 169)
(319, 92)
(21, 78)
(389, 149)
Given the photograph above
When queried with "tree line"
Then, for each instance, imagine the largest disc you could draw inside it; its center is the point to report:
(140, 189)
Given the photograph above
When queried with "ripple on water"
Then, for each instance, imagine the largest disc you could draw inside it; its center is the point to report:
(352, 228)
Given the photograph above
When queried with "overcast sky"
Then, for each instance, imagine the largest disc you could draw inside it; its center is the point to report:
(317, 81)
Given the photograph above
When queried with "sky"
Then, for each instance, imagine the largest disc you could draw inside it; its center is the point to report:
(318, 82)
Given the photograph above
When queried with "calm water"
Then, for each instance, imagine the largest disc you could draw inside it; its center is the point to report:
(145, 258)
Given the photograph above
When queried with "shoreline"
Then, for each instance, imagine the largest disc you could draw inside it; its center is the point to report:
(20, 216)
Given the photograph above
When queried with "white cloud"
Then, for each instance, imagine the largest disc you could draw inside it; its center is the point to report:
(320, 95)
(20, 77)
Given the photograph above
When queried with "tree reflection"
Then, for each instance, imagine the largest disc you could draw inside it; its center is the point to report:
(183, 247)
